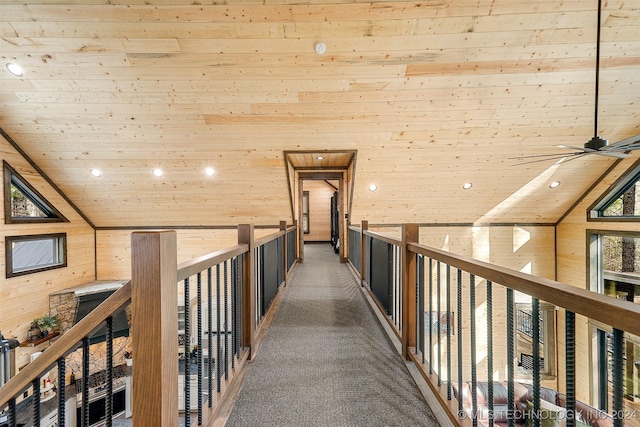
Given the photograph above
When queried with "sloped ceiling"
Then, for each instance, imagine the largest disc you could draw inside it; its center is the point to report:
(431, 95)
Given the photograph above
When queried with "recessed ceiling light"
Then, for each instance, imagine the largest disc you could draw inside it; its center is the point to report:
(320, 48)
(158, 172)
(373, 187)
(15, 69)
(319, 158)
(467, 185)
(96, 172)
(554, 184)
(209, 171)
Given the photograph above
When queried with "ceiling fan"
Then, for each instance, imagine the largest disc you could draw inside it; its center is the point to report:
(595, 145)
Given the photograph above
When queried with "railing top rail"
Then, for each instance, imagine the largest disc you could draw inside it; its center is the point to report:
(390, 240)
(196, 265)
(266, 239)
(67, 342)
(623, 315)
(291, 228)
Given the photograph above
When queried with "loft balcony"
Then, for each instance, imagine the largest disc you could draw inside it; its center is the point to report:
(471, 342)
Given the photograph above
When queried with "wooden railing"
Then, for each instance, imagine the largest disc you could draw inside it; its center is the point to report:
(229, 304)
(28, 380)
(453, 305)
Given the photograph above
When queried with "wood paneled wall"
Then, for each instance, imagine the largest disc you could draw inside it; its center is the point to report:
(29, 294)
(113, 247)
(320, 193)
(573, 260)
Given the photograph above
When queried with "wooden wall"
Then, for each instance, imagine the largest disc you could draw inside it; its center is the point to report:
(29, 294)
(113, 248)
(320, 193)
(572, 255)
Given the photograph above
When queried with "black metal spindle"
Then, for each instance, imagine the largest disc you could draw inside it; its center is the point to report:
(242, 300)
(570, 363)
(417, 305)
(472, 352)
(12, 413)
(187, 353)
(109, 398)
(209, 336)
(85, 382)
(459, 303)
(62, 388)
(535, 318)
(449, 324)
(430, 316)
(438, 325)
(199, 341)
(226, 321)
(36, 402)
(618, 378)
(218, 341)
(234, 310)
(490, 351)
(421, 304)
(510, 358)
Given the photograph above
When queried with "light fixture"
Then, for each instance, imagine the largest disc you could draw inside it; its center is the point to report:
(321, 48)
(96, 172)
(319, 158)
(209, 171)
(158, 172)
(467, 185)
(373, 187)
(554, 184)
(15, 69)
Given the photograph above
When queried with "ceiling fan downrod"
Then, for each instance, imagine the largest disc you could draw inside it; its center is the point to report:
(596, 142)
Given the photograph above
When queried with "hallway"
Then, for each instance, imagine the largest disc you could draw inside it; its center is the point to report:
(326, 361)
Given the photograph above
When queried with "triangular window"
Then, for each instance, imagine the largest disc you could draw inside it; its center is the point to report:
(23, 203)
(622, 201)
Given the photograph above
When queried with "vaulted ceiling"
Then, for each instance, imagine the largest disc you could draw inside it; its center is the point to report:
(430, 94)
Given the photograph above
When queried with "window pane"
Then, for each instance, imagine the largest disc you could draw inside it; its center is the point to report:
(26, 254)
(23, 207)
(31, 254)
(628, 204)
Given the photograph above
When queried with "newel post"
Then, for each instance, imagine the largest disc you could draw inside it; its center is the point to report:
(410, 234)
(363, 252)
(154, 326)
(285, 249)
(245, 237)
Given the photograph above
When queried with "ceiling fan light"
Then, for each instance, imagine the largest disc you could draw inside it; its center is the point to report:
(596, 143)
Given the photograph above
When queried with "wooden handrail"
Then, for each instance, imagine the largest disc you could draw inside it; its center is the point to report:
(387, 239)
(623, 315)
(65, 344)
(196, 265)
(266, 239)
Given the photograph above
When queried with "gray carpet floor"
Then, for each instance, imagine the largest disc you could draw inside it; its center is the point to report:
(326, 361)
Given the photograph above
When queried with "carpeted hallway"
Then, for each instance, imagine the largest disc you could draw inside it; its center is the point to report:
(326, 360)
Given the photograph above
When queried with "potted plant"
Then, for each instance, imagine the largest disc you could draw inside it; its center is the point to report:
(46, 324)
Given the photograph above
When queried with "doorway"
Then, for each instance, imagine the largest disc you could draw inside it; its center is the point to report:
(321, 188)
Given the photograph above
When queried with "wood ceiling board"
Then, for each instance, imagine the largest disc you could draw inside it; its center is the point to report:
(124, 85)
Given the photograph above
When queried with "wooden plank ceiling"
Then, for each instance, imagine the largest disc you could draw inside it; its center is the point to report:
(431, 94)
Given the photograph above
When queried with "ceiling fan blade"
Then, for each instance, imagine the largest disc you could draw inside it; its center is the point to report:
(571, 147)
(633, 142)
(570, 156)
(554, 155)
(608, 153)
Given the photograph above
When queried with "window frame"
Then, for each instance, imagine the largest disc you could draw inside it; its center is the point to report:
(61, 241)
(53, 215)
(622, 184)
